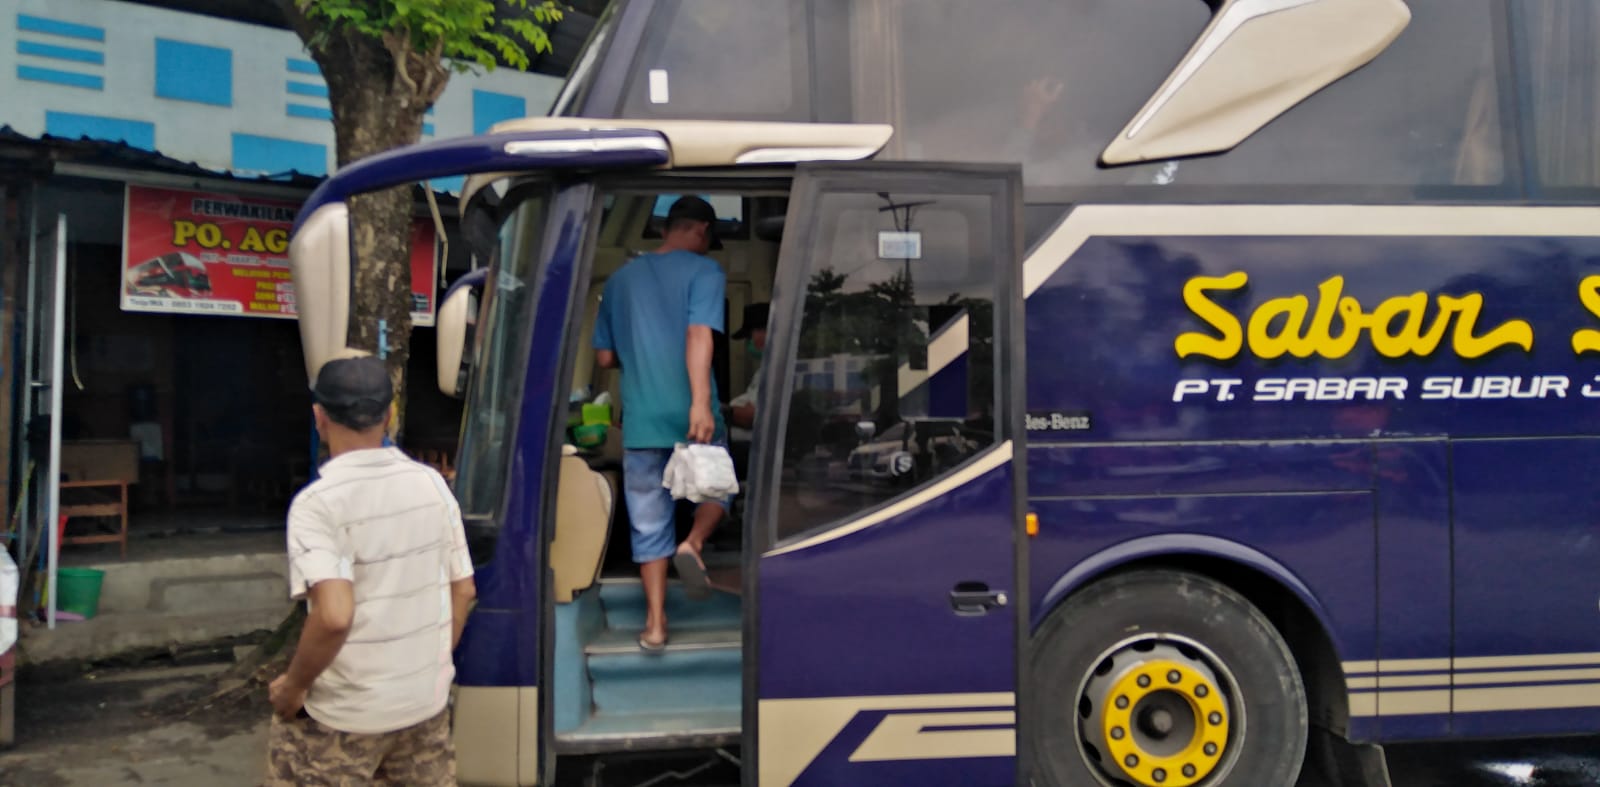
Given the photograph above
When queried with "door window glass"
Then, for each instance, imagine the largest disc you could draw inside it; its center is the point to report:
(893, 382)
(494, 395)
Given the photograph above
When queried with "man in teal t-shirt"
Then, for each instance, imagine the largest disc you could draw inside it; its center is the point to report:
(656, 318)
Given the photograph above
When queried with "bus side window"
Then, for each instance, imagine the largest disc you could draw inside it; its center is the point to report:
(1050, 83)
(1561, 81)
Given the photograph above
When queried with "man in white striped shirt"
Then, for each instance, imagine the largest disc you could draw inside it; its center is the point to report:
(377, 550)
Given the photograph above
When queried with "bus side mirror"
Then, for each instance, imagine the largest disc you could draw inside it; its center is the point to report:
(319, 261)
(865, 430)
(455, 329)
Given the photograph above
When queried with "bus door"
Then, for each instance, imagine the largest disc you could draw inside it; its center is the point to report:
(886, 521)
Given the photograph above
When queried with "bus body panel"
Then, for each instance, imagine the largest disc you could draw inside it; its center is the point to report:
(1414, 576)
(1121, 301)
(1323, 540)
(858, 634)
(1398, 383)
(1527, 522)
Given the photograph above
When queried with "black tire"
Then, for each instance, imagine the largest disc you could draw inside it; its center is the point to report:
(1075, 638)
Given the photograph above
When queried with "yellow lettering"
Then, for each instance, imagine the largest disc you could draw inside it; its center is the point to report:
(1231, 337)
(277, 241)
(1397, 326)
(1317, 337)
(1409, 339)
(251, 241)
(182, 231)
(209, 236)
(1266, 344)
(1467, 345)
(1587, 340)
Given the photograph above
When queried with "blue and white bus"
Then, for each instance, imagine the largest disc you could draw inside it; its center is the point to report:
(1158, 392)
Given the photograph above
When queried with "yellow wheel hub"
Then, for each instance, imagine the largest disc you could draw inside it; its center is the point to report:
(1170, 703)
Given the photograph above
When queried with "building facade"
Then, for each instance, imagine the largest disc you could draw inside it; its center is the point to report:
(168, 152)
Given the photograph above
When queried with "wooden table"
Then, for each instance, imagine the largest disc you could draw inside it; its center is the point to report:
(102, 507)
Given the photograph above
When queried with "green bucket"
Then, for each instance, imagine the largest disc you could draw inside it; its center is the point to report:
(80, 590)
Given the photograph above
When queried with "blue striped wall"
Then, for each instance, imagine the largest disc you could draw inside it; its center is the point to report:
(60, 53)
(226, 95)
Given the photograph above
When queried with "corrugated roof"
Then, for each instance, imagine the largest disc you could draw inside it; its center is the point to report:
(97, 152)
(47, 149)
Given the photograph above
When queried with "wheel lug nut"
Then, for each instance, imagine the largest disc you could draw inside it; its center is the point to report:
(1188, 771)
(1211, 750)
(1122, 702)
(1174, 677)
(1159, 775)
(1117, 733)
(1144, 681)
(1215, 718)
(1201, 690)
(1132, 761)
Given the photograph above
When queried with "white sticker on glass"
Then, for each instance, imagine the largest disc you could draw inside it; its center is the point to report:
(899, 245)
(658, 86)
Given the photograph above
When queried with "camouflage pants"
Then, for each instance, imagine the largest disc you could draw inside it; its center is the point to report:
(304, 753)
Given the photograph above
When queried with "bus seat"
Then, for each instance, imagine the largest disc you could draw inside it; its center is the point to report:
(584, 500)
(611, 449)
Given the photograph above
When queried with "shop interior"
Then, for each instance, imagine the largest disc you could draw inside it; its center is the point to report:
(176, 426)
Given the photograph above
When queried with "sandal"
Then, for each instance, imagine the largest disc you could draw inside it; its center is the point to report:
(692, 572)
(652, 647)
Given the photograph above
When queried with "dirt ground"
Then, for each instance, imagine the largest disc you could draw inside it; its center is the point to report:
(139, 725)
(133, 725)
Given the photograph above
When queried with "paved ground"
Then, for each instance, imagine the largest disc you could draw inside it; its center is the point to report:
(121, 727)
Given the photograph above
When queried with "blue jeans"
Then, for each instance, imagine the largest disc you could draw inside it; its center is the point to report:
(650, 505)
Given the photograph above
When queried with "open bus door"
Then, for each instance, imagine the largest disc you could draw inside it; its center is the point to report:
(528, 216)
(884, 582)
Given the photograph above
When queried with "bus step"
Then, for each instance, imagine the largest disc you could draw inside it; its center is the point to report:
(626, 641)
(687, 680)
(623, 601)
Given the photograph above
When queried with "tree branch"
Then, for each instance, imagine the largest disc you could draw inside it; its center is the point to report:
(435, 75)
(295, 12)
(398, 42)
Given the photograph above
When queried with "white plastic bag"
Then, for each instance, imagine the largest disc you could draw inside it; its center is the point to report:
(698, 473)
(9, 585)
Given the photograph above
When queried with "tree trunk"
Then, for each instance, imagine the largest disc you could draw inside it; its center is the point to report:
(374, 110)
(379, 90)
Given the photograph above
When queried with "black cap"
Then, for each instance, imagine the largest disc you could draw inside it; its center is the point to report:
(695, 209)
(355, 392)
(755, 319)
(692, 207)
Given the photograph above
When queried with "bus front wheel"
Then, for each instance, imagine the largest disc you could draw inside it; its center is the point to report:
(1164, 678)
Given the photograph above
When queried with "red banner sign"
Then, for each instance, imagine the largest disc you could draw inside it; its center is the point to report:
(193, 252)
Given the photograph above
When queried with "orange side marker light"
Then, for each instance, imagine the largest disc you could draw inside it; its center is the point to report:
(1033, 525)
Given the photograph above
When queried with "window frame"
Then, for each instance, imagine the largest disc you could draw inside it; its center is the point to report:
(518, 195)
